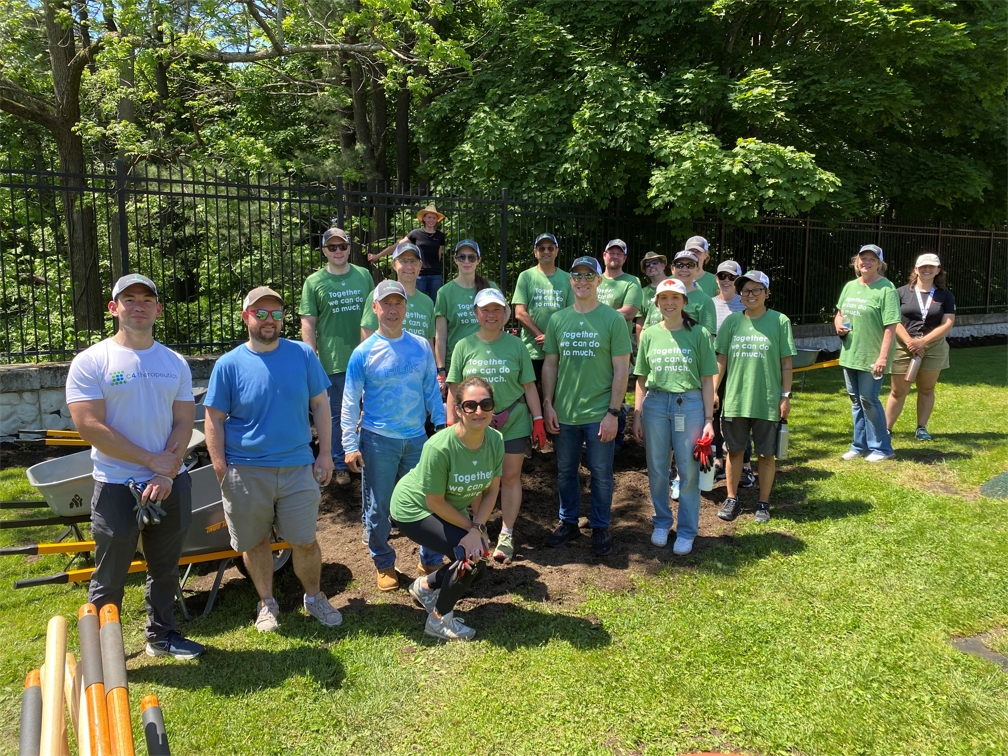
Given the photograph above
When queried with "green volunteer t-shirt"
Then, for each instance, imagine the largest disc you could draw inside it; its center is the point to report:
(675, 361)
(701, 308)
(504, 364)
(754, 349)
(542, 295)
(651, 313)
(455, 304)
(707, 283)
(586, 343)
(447, 467)
(419, 318)
(625, 289)
(336, 301)
(870, 308)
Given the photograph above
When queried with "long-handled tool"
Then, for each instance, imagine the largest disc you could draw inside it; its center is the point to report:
(154, 727)
(30, 736)
(53, 720)
(93, 680)
(116, 690)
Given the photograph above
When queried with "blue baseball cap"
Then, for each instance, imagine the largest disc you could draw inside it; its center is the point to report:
(405, 247)
(546, 236)
(874, 249)
(587, 262)
(471, 244)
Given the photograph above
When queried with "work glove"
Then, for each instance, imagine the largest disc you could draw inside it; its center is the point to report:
(539, 433)
(703, 453)
(149, 513)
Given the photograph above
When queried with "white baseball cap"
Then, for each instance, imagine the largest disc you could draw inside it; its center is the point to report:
(385, 288)
(928, 258)
(489, 295)
(672, 284)
(129, 280)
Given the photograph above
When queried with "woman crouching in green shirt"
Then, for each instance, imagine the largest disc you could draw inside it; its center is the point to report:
(673, 407)
(459, 472)
(503, 361)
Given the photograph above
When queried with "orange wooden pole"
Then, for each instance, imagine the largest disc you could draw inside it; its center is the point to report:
(93, 680)
(116, 689)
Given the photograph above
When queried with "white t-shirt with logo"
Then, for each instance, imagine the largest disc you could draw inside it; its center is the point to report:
(139, 388)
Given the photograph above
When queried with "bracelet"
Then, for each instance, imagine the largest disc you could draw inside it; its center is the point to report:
(538, 417)
(442, 370)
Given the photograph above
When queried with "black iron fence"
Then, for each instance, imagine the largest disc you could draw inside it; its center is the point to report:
(206, 239)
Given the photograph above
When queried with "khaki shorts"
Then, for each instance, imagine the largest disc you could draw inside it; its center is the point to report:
(936, 357)
(736, 430)
(256, 498)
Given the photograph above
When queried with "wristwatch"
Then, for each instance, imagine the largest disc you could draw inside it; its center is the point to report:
(785, 395)
(439, 428)
(613, 412)
(442, 370)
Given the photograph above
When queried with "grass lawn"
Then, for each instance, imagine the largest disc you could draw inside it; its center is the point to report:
(825, 632)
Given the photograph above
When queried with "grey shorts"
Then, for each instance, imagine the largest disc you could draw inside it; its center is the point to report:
(516, 445)
(736, 430)
(256, 498)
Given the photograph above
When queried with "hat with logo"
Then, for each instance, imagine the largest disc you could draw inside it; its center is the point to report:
(874, 249)
(489, 295)
(652, 256)
(331, 232)
(546, 236)
(587, 262)
(928, 258)
(259, 292)
(471, 244)
(616, 243)
(129, 280)
(404, 247)
(730, 266)
(672, 284)
(385, 288)
(756, 276)
(686, 255)
(697, 242)
(429, 209)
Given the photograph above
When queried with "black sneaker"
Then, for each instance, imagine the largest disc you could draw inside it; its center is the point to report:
(762, 512)
(175, 646)
(729, 510)
(564, 532)
(719, 472)
(747, 479)
(601, 541)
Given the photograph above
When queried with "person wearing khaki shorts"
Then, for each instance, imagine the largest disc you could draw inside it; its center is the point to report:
(258, 437)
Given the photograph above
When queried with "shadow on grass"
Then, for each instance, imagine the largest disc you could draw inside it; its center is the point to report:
(727, 555)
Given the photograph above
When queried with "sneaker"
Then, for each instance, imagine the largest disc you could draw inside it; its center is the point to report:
(674, 489)
(719, 472)
(448, 628)
(762, 512)
(387, 579)
(364, 538)
(175, 646)
(504, 550)
(564, 533)
(322, 610)
(601, 541)
(659, 537)
(427, 569)
(921, 434)
(729, 510)
(849, 455)
(682, 546)
(427, 597)
(879, 457)
(747, 478)
(342, 477)
(267, 616)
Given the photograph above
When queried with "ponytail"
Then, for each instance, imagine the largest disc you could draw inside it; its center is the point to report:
(481, 283)
(688, 321)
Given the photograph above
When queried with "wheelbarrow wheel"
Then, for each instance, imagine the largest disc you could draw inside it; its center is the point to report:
(281, 559)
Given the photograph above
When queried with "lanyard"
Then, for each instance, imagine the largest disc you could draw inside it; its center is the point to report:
(924, 306)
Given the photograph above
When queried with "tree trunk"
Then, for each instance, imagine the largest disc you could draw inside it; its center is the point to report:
(360, 117)
(402, 137)
(347, 137)
(379, 122)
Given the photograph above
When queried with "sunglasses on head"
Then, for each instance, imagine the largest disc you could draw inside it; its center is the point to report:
(277, 315)
(589, 277)
(470, 405)
(462, 257)
(343, 247)
(726, 276)
(686, 264)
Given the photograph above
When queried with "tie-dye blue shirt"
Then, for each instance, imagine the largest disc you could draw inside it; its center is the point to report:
(398, 380)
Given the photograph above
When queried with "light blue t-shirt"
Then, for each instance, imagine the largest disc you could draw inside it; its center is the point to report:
(265, 396)
(398, 381)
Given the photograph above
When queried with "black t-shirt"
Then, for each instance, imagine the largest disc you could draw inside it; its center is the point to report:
(429, 245)
(910, 309)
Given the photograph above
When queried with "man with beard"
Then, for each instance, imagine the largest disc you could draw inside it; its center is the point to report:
(258, 436)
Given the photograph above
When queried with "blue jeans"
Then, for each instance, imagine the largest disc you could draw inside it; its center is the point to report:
(335, 391)
(386, 460)
(429, 285)
(658, 422)
(600, 463)
(870, 433)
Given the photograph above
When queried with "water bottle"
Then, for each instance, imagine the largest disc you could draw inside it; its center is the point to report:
(846, 321)
(911, 373)
(782, 440)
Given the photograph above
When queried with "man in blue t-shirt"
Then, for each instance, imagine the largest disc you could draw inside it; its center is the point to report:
(258, 436)
(394, 372)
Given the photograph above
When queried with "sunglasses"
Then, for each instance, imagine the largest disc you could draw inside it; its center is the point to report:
(337, 247)
(688, 265)
(589, 277)
(726, 277)
(752, 292)
(467, 258)
(652, 263)
(546, 248)
(265, 314)
(470, 405)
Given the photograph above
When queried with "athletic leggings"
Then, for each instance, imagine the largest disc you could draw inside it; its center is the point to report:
(442, 537)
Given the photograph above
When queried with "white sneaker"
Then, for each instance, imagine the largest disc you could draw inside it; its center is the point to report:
(682, 546)
(851, 454)
(674, 490)
(879, 457)
(448, 628)
(268, 616)
(660, 537)
(322, 610)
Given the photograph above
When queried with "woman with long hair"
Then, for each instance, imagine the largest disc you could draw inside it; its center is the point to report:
(454, 318)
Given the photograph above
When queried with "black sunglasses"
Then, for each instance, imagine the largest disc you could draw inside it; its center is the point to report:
(726, 276)
(469, 406)
(337, 247)
(687, 265)
(467, 258)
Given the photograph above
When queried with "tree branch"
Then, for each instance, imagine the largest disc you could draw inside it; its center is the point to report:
(253, 56)
(23, 104)
(277, 44)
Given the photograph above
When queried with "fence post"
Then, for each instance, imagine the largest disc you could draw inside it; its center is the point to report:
(504, 239)
(339, 201)
(940, 239)
(990, 271)
(121, 209)
(804, 289)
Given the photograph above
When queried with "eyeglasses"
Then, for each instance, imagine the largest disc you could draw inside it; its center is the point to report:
(726, 277)
(467, 258)
(470, 405)
(337, 247)
(277, 315)
(546, 248)
(589, 277)
(752, 292)
(688, 265)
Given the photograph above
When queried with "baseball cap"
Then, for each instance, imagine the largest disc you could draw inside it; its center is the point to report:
(546, 236)
(697, 242)
(471, 244)
(587, 262)
(873, 248)
(756, 276)
(385, 288)
(128, 280)
(686, 255)
(617, 243)
(405, 247)
(489, 295)
(672, 284)
(259, 292)
(928, 258)
(331, 232)
(730, 266)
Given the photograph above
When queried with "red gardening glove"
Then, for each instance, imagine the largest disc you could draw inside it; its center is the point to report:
(539, 433)
(703, 453)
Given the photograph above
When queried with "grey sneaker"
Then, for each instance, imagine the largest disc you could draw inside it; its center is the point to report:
(322, 610)
(448, 628)
(762, 512)
(268, 616)
(426, 596)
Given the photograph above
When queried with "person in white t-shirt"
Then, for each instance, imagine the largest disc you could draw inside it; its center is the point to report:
(131, 399)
